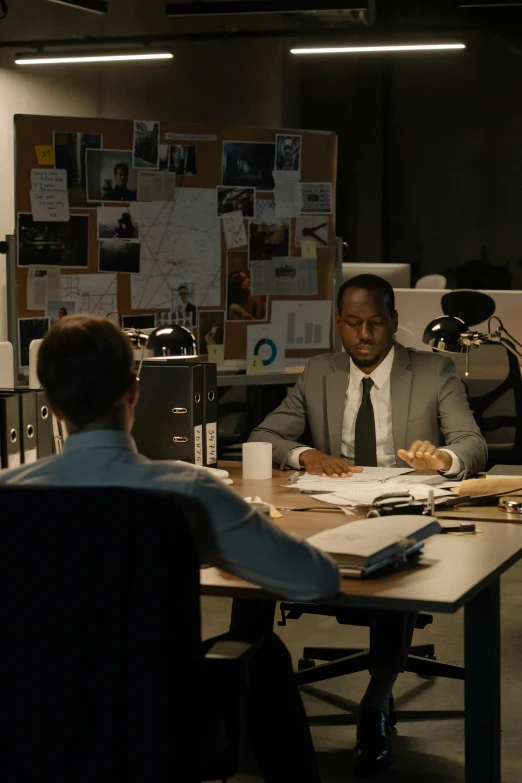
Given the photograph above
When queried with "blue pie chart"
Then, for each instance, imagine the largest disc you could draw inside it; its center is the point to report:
(267, 349)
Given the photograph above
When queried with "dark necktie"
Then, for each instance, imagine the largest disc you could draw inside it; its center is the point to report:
(365, 451)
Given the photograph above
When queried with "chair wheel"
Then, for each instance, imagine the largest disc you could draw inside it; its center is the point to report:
(305, 663)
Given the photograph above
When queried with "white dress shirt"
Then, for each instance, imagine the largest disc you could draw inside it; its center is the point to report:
(380, 395)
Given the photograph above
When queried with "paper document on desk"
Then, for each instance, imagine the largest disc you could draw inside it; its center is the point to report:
(368, 476)
(366, 545)
(365, 494)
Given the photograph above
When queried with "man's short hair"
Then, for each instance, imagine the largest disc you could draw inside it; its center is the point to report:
(121, 166)
(85, 364)
(369, 283)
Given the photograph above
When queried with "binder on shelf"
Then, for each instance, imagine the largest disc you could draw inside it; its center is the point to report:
(27, 424)
(210, 408)
(10, 430)
(44, 426)
(169, 413)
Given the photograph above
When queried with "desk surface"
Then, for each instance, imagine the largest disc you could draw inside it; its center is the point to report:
(452, 570)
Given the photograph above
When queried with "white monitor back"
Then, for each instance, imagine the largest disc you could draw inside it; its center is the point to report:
(34, 347)
(6, 366)
(398, 275)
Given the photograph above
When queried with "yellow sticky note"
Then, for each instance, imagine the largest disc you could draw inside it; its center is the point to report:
(216, 354)
(308, 248)
(254, 365)
(45, 156)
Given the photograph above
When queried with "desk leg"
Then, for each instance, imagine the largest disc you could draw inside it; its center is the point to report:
(252, 618)
(482, 688)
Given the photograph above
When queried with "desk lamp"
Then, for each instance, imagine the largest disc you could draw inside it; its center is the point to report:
(450, 333)
(170, 343)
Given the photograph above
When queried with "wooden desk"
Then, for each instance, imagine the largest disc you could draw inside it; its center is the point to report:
(454, 572)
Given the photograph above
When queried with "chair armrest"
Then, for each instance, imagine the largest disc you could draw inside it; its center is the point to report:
(229, 648)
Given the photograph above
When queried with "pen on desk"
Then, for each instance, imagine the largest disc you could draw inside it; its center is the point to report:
(431, 501)
(293, 477)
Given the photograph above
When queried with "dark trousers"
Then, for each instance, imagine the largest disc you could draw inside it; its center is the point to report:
(276, 722)
(390, 639)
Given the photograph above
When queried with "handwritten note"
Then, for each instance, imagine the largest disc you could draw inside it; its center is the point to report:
(49, 195)
(45, 155)
(216, 354)
(308, 248)
(234, 227)
(254, 365)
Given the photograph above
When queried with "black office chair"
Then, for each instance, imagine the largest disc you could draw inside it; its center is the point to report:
(341, 661)
(103, 674)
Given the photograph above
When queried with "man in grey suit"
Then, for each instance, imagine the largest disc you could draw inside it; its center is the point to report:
(377, 404)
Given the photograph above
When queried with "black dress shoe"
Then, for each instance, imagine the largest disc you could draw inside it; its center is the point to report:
(373, 749)
(392, 715)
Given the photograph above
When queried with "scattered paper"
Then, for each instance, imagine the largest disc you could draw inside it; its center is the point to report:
(316, 198)
(287, 197)
(49, 195)
(303, 324)
(216, 354)
(45, 155)
(311, 481)
(284, 276)
(308, 248)
(233, 225)
(180, 242)
(264, 343)
(43, 284)
(154, 186)
(365, 494)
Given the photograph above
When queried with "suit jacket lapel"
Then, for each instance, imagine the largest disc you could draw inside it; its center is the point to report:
(336, 385)
(400, 386)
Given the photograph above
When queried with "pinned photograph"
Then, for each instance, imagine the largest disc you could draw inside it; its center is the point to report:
(146, 145)
(182, 160)
(163, 156)
(119, 256)
(30, 329)
(269, 236)
(316, 198)
(69, 153)
(234, 199)
(183, 308)
(288, 152)
(53, 244)
(211, 329)
(241, 304)
(110, 176)
(315, 229)
(58, 309)
(117, 223)
(248, 163)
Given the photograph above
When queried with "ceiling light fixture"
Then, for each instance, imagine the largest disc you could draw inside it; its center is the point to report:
(58, 59)
(384, 48)
(94, 6)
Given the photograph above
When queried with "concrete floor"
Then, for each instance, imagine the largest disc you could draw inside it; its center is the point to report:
(427, 750)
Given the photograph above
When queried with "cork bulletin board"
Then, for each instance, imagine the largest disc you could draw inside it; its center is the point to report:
(208, 226)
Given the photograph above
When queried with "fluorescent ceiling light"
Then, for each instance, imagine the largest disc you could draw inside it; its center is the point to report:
(390, 48)
(34, 59)
(94, 6)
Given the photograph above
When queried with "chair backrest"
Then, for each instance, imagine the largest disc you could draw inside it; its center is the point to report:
(431, 281)
(99, 592)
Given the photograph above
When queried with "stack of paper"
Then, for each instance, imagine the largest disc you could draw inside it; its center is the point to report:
(311, 481)
(365, 494)
(363, 547)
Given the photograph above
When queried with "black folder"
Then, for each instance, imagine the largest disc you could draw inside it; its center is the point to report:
(10, 430)
(44, 422)
(169, 413)
(210, 407)
(27, 424)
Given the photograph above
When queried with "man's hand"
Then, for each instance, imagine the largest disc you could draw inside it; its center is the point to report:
(316, 462)
(423, 455)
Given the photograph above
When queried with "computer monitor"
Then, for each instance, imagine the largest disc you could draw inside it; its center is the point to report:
(398, 275)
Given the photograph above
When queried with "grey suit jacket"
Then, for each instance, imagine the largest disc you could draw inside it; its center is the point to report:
(427, 399)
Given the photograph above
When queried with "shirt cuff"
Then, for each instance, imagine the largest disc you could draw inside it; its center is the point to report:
(456, 464)
(292, 458)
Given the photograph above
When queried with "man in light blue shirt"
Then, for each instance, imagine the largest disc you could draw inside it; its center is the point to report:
(86, 366)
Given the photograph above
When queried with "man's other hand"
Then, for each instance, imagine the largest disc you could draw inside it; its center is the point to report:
(324, 465)
(423, 455)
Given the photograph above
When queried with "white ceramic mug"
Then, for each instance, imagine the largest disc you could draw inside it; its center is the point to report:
(257, 461)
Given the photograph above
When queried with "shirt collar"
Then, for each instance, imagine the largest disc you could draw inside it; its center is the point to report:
(100, 439)
(379, 376)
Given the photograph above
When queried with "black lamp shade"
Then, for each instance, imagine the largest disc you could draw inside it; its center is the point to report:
(171, 342)
(444, 334)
